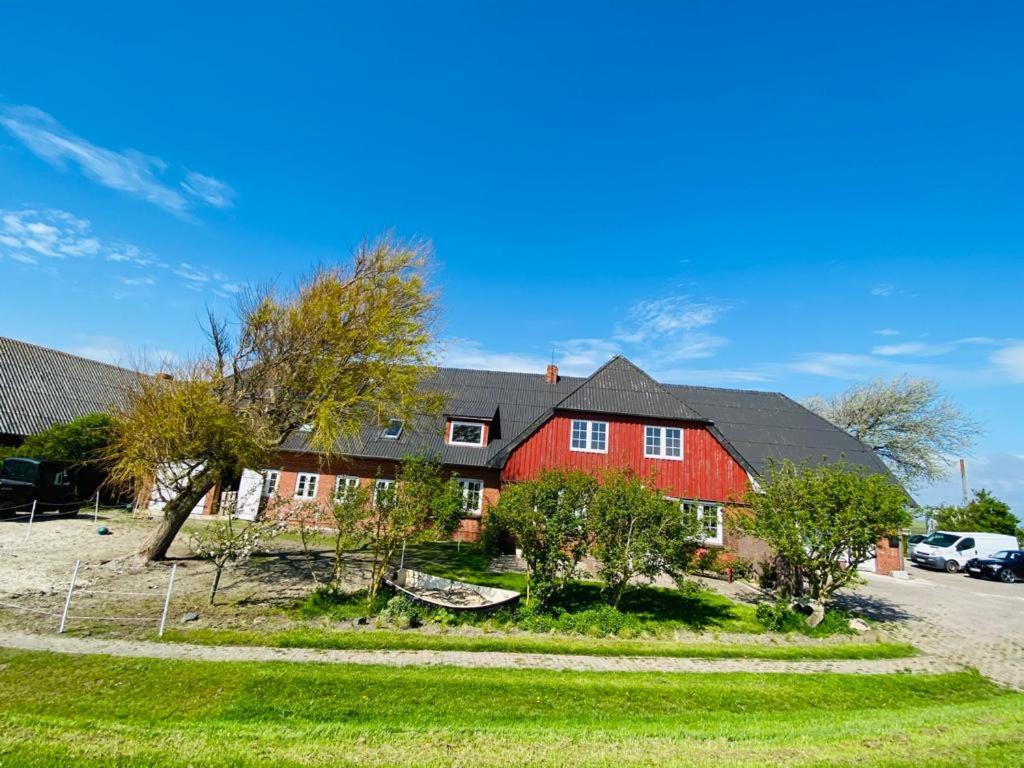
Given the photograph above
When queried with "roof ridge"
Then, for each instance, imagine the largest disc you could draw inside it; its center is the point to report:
(70, 354)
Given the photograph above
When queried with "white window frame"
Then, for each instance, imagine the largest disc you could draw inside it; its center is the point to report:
(380, 483)
(306, 485)
(401, 428)
(271, 482)
(451, 433)
(344, 482)
(463, 485)
(662, 433)
(703, 508)
(589, 436)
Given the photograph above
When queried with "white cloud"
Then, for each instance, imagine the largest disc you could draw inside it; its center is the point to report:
(887, 332)
(211, 191)
(191, 273)
(647, 319)
(465, 353)
(28, 234)
(912, 349)
(1001, 473)
(883, 290)
(1010, 361)
(138, 281)
(836, 365)
(130, 171)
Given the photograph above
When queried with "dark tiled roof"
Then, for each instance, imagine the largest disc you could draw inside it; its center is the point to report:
(40, 387)
(764, 426)
(619, 387)
(753, 426)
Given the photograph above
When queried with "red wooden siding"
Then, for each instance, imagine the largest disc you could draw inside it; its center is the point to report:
(707, 471)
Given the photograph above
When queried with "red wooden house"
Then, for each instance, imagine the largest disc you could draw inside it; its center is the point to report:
(703, 445)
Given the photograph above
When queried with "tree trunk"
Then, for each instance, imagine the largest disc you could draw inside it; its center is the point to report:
(175, 514)
(216, 583)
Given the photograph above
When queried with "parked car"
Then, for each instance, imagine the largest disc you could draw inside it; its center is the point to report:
(950, 550)
(913, 541)
(1006, 565)
(48, 483)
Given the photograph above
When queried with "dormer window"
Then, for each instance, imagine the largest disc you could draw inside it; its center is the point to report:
(393, 430)
(466, 433)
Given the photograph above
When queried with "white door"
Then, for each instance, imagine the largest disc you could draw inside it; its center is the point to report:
(250, 489)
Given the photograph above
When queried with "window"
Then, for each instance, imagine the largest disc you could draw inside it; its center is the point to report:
(343, 484)
(965, 544)
(467, 433)
(710, 518)
(62, 478)
(589, 436)
(271, 477)
(472, 496)
(663, 442)
(305, 485)
(393, 430)
(383, 488)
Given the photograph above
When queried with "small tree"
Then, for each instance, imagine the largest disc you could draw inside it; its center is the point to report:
(421, 505)
(909, 423)
(824, 521)
(636, 533)
(228, 541)
(984, 513)
(351, 511)
(80, 443)
(348, 346)
(547, 518)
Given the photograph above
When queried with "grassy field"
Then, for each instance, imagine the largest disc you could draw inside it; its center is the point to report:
(103, 711)
(311, 637)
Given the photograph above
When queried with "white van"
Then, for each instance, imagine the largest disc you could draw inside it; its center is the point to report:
(950, 550)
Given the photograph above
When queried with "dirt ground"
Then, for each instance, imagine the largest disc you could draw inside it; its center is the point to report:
(35, 573)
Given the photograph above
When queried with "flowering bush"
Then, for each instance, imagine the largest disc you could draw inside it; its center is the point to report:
(224, 541)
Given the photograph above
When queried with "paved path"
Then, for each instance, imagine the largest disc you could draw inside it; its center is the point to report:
(975, 623)
(467, 659)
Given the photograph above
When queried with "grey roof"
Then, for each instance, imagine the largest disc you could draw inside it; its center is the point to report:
(40, 387)
(753, 426)
(619, 387)
(764, 426)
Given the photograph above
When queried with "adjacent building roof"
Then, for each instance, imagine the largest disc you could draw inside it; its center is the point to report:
(755, 427)
(40, 387)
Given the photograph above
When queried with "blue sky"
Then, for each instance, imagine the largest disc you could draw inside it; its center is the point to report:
(785, 196)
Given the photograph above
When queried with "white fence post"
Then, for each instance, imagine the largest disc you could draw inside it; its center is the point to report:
(401, 563)
(167, 600)
(67, 602)
(31, 517)
(96, 509)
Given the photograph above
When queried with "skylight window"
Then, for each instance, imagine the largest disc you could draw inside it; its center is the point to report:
(393, 430)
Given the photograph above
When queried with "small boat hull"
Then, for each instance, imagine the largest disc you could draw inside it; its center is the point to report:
(450, 594)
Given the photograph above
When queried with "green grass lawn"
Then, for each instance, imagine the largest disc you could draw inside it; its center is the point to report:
(315, 637)
(105, 711)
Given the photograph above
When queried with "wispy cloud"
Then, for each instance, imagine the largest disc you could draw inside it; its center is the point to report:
(1010, 361)
(211, 191)
(130, 171)
(887, 332)
(34, 237)
(883, 290)
(466, 353)
(912, 349)
(673, 328)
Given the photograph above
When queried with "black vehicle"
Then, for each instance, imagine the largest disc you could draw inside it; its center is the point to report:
(1006, 565)
(48, 483)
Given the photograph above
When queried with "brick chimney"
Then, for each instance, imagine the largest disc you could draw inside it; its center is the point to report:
(551, 377)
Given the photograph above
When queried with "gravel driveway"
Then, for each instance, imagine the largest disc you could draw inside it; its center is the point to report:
(972, 622)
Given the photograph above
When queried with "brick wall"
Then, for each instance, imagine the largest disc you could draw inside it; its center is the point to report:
(887, 557)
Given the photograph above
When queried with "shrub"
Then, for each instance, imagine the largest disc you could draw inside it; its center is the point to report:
(773, 616)
(402, 612)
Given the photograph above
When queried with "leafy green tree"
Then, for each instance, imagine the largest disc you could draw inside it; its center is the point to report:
(351, 510)
(349, 345)
(824, 521)
(547, 518)
(984, 513)
(421, 505)
(80, 441)
(636, 533)
(908, 422)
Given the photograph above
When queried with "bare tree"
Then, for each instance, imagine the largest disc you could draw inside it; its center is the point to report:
(348, 346)
(909, 423)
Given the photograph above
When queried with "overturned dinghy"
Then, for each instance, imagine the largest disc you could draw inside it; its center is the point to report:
(448, 593)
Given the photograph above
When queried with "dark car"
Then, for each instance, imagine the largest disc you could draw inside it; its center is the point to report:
(1006, 565)
(48, 483)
